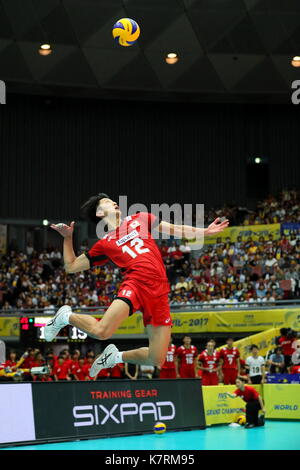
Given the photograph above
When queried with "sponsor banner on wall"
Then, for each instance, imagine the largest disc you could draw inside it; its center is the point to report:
(16, 413)
(282, 401)
(283, 378)
(219, 408)
(9, 326)
(245, 231)
(78, 409)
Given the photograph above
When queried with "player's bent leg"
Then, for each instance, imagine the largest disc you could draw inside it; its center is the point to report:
(117, 312)
(155, 354)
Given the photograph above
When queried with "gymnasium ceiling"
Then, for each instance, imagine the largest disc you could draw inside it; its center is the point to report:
(229, 50)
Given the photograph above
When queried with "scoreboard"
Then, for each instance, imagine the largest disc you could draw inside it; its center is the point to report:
(32, 330)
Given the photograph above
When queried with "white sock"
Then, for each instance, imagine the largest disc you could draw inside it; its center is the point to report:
(118, 358)
(65, 317)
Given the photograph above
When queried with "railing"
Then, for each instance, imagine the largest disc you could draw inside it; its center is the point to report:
(199, 306)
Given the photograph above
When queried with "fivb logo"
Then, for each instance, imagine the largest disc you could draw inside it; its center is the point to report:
(2, 92)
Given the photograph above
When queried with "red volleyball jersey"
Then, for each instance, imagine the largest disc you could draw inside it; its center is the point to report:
(61, 370)
(170, 358)
(132, 248)
(229, 356)
(81, 372)
(249, 394)
(73, 366)
(187, 356)
(286, 345)
(209, 361)
(295, 370)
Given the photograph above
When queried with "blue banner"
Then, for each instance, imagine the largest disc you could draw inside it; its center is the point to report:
(283, 378)
(292, 228)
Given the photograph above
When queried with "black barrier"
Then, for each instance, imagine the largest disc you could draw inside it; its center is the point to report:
(64, 410)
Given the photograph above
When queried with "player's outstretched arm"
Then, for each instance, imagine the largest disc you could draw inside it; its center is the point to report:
(72, 263)
(189, 232)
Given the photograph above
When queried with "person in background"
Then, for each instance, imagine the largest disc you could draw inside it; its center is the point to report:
(186, 360)
(168, 369)
(11, 362)
(131, 371)
(276, 361)
(209, 363)
(286, 346)
(146, 371)
(253, 401)
(117, 372)
(294, 369)
(256, 366)
(80, 372)
(74, 362)
(61, 369)
(230, 362)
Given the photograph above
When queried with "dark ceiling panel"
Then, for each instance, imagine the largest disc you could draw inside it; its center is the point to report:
(228, 49)
(263, 77)
(200, 76)
(13, 65)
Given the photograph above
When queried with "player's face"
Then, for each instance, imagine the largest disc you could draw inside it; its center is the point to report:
(109, 207)
(239, 383)
(187, 341)
(210, 347)
(230, 343)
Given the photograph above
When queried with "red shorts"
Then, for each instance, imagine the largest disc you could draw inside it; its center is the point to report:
(210, 378)
(229, 376)
(187, 373)
(155, 309)
(167, 374)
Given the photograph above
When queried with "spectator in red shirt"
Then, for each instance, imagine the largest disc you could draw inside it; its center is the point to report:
(253, 401)
(294, 369)
(89, 362)
(80, 372)
(74, 362)
(285, 341)
(164, 249)
(11, 361)
(61, 369)
(117, 371)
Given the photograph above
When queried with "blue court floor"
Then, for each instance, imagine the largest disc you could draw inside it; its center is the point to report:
(275, 435)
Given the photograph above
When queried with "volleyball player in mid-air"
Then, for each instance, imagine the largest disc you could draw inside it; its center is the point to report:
(145, 286)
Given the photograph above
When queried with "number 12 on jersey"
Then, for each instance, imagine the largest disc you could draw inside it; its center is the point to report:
(138, 244)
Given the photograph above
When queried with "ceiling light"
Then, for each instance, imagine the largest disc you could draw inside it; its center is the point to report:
(296, 61)
(45, 49)
(257, 160)
(171, 58)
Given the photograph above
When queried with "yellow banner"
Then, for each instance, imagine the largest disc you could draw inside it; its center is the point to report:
(219, 408)
(235, 321)
(264, 340)
(245, 231)
(132, 326)
(255, 320)
(9, 326)
(282, 401)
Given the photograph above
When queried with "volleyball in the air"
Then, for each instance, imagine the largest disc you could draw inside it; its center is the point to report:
(159, 428)
(126, 31)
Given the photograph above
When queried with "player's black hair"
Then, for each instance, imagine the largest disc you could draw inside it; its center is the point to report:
(230, 337)
(88, 209)
(253, 346)
(283, 331)
(243, 379)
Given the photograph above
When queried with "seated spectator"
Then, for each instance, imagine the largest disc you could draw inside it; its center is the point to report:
(276, 362)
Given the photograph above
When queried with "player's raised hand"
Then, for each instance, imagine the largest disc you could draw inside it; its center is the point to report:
(217, 226)
(63, 229)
